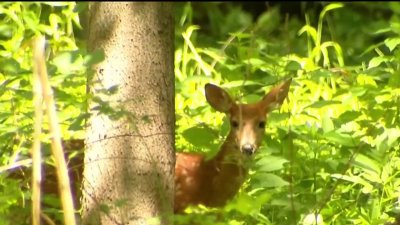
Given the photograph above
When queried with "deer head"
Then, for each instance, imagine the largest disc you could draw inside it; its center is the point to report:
(247, 121)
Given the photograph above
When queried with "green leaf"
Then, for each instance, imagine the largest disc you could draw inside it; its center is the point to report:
(392, 43)
(245, 204)
(327, 124)
(54, 19)
(199, 136)
(277, 117)
(26, 94)
(67, 62)
(240, 83)
(383, 98)
(329, 7)
(4, 85)
(9, 66)
(340, 138)
(358, 91)
(393, 134)
(310, 30)
(323, 103)
(251, 99)
(349, 116)
(376, 61)
(267, 180)
(386, 140)
(78, 122)
(6, 31)
(255, 62)
(270, 163)
(367, 163)
(293, 66)
(318, 74)
(356, 180)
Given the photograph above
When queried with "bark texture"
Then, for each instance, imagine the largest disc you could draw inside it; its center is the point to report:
(129, 161)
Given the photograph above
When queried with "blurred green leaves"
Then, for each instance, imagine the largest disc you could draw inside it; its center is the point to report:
(67, 66)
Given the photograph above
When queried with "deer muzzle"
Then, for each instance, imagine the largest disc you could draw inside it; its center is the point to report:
(248, 149)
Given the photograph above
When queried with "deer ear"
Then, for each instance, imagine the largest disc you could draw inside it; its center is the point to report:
(276, 96)
(218, 98)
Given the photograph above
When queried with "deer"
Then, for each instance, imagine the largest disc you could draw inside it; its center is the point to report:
(197, 180)
(215, 181)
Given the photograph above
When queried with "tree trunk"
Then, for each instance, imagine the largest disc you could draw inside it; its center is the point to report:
(129, 161)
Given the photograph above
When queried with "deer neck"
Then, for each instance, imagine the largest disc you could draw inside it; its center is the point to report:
(226, 174)
(230, 157)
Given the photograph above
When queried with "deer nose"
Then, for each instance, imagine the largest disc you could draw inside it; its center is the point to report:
(248, 149)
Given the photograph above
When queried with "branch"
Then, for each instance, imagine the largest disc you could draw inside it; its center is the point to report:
(36, 152)
(56, 147)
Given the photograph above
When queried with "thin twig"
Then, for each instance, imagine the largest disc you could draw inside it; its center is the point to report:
(36, 151)
(24, 162)
(291, 188)
(47, 219)
(56, 146)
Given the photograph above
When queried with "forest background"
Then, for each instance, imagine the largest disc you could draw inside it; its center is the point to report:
(331, 153)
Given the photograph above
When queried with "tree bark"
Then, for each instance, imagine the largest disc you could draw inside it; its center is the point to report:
(129, 161)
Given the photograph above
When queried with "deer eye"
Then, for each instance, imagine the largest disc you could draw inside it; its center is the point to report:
(234, 123)
(261, 124)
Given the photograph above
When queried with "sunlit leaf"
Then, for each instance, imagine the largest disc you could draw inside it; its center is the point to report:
(329, 7)
(383, 98)
(270, 163)
(255, 62)
(376, 61)
(393, 134)
(323, 103)
(355, 179)
(67, 62)
(386, 140)
(327, 124)
(367, 163)
(310, 30)
(358, 91)
(341, 138)
(392, 43)
(54, 19)
(6, 30)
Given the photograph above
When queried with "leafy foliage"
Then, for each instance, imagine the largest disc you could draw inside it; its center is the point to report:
(331, 153)
(67, 66)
